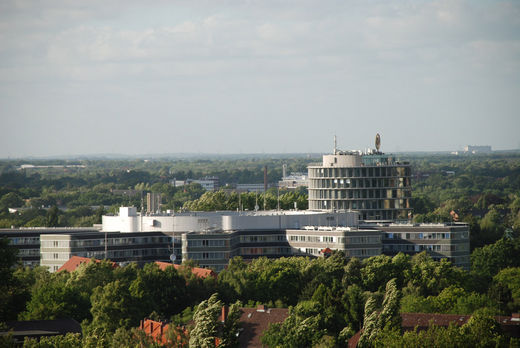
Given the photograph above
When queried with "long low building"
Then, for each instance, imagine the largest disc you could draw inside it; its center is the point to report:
(213, 238)
(440, 240)
(27, 240)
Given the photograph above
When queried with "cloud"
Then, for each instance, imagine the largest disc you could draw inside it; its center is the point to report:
(283, 61)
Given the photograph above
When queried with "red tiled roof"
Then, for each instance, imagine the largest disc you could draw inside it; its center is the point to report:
(199, 272)
(157, 330)
(73, 263)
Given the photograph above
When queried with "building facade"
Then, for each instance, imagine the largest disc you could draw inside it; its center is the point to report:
(27, 240)
(441, 241)
(56, 249)
(372, 183)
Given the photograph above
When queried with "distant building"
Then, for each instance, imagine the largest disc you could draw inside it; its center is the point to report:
(441, 241)
(250, 188)
(57, 249)
(209, 183)
(128, 193)
(27, 240)
(294, 180)
(153, 202)
(212, 238)
(474, 149)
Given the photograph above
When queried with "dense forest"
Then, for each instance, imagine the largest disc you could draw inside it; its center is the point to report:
(329, 299)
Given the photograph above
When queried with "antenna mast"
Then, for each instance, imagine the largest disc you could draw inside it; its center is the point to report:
(335, 145)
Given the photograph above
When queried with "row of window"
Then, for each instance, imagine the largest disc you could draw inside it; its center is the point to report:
(55, 256)
(349, 194)
(359, 172)
(263, 238)
(208, 243)
(365, 252)
(209, 255)
(24, 240)
(422, 247)
(340, 240)
(101, 241)
(419, 235)
(100, 254)
(359, 183)
(265, 251)
(28, 252)
(354, 205)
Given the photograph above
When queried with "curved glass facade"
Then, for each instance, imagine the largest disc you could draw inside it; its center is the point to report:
(379, 191)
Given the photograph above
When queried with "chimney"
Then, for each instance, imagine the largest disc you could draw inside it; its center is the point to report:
(515, 317)
(265, 178)
(261, 308)
(225, 311)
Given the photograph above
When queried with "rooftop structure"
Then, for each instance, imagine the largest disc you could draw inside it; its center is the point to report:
(294, 180)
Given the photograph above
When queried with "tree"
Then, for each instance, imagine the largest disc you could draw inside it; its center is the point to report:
(113, 307)
(10, 200)
(509, 278)
(301, 329)
(353, 300)
(52, 217)
(388, 319)
(490, 259)
(162, 291)
(209, 329)
(51, 298)
(369, 323)
(9, 284)
(130, 338)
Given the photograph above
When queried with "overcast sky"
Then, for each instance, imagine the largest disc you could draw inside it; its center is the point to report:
(138, 77)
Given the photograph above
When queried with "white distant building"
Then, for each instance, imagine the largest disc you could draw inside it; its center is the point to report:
(294, 180)
(250, 187)
(209, 183)
(474, 149)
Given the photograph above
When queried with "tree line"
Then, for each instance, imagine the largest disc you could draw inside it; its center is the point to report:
(329, 299)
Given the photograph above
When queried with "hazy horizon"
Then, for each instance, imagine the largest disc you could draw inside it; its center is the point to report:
(266, 77)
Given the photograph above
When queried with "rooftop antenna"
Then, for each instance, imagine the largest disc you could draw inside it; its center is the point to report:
(335, 145)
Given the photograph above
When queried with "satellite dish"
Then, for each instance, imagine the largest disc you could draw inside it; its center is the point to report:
(173, 257)
(378, 141)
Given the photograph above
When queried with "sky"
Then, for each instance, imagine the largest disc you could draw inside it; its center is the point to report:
(150, 77)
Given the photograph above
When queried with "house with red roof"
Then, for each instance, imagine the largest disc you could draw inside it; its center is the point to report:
(253, 323)
(199, 272)
(73, 263)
